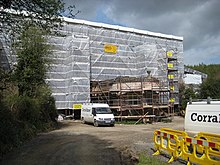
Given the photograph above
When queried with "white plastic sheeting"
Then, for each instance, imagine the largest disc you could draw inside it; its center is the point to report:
(79, 56)
(69, 76)
(192, 79)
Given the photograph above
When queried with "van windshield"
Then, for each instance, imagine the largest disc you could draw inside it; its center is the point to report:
(103, 110)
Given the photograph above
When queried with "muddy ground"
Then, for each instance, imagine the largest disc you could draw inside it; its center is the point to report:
(83, 144)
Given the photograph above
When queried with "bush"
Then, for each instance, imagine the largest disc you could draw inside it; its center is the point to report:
(47, 104)
(48, 109)
(36, 113)
(33, 108)
(8, 130)
(27, 110)
(12, 132)
(22, 117)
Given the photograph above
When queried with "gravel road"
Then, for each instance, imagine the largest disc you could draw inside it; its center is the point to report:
(83, 144)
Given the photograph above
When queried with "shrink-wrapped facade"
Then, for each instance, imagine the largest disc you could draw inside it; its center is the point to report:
(88, 51)
(81, 56)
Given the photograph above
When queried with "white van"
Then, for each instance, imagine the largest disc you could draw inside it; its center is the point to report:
(97, 113)
(203, 117)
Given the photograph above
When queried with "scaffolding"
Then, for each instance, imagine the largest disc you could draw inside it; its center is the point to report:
(133, 97)
(81, 60)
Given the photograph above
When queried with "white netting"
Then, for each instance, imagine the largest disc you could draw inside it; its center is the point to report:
(80, 47)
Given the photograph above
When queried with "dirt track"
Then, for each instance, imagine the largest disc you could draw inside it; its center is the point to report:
(82, 144)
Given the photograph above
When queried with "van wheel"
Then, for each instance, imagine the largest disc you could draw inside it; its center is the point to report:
(83, 121)
(96, 123)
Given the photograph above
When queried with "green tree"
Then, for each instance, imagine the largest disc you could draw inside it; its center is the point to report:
(210, 88)
(3, 82)
(32, 60)
(17, 13)
(185, 94)
(33, 109)
(46, 14)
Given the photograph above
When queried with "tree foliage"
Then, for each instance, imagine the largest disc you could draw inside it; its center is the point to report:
(212, 70)
(32, 60)
(210, 86)
(46, 14)
(30, 108)
(3, 81)
(17, 13)
(185, 93)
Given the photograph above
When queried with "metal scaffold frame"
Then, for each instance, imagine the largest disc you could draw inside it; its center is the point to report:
(80, 57)
(133, 97)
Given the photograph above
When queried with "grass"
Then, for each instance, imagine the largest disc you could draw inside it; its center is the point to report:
(145, 159)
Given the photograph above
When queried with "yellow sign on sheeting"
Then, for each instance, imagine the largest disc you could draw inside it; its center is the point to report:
(169, 54)
(170, 65)
(77, 106)
(170, 76)
(172, 88)
(110, 48)
(172, 100)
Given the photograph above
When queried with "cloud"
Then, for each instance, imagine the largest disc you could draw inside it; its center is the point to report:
(87, 8)
(198, 21)
(206, 51)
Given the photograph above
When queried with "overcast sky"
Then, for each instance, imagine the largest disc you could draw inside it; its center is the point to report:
(198, 21)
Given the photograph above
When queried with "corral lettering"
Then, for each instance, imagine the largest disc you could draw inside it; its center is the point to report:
(205, 118)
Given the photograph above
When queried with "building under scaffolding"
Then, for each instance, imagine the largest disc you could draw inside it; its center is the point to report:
(132, 97)
(99, 53)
